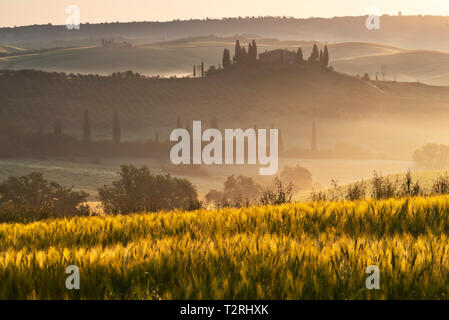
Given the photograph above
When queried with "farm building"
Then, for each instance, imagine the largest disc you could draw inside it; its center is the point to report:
(278, 56)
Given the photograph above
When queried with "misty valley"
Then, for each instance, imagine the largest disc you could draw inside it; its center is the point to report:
(243, 158)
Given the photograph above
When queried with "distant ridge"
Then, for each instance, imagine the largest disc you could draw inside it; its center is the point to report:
(411, 32)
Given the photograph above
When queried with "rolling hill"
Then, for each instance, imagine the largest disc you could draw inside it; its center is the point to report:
(431, 67)
(8, 49)
(411, 32)
(380, 116)
(167, 58)
(176, 58)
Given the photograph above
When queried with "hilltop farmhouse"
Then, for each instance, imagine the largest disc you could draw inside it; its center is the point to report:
(278, 56)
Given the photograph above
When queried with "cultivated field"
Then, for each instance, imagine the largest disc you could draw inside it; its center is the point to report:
(297, 251)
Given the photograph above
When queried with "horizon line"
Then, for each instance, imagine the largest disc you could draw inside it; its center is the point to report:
(49, 24)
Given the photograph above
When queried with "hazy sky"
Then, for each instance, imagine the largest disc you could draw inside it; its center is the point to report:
(26, 12)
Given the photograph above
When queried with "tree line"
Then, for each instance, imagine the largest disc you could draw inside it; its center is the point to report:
(249, 57)
(32, 197)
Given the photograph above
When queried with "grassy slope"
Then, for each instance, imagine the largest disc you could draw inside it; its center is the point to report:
(5, 48)
(298, 251)
(429, 67)
(265, 93)
(291, 97)
(167, 58)
(178, 57)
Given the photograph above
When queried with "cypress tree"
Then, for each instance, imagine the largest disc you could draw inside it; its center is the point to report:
(116, 132)
(243, 56)
(299, 56)
(202, 69)
(226, 59)
(314, 55)
(326, 56)
(250, 50)
(86, 127)
(238, 52)
(254, 47)
(194, 71)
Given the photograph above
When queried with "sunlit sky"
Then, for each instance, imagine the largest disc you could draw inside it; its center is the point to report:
(27, 12)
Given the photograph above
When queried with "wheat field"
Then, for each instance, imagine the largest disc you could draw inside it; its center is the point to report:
(294, 251)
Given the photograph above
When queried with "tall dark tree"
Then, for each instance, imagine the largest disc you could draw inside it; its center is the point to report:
(116, 132)
(243, 56)
(238, 52)
(194, 71)
(226, 59)
(299, 56)
(57, 128)
(86, 127)
(314, 56)
(202, 69)
(325, 56)
(254, 51)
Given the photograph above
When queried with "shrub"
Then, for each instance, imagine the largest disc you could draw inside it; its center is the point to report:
(140, 191)
(432, 156)
(356, 191)
(31, 197)
(318, 196)
(335, 191)
(441, 185)
(238, 192)
(216, 199)
(278, 194)
(382, 187)
(410, 188)
(299, 177)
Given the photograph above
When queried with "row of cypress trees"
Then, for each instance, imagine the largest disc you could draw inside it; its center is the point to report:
(244, 57)
(320, 57)
(87, 136)
(241, 55)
